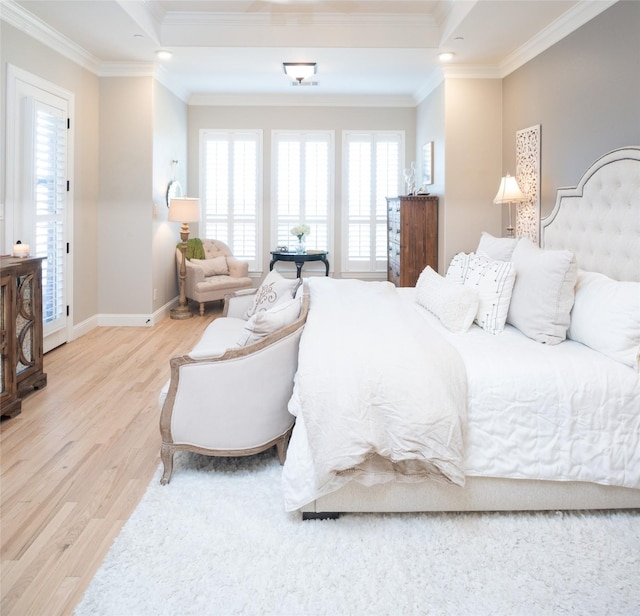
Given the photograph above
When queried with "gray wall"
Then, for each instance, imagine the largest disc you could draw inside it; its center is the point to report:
(463, 117)
(24, 52)
(126, 206)
(169, 143)
(584, 92)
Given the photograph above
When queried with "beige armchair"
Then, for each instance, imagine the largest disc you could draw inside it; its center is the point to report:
(212, 278)
(229, 400)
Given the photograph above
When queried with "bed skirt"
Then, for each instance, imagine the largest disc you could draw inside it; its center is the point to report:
(479, 494)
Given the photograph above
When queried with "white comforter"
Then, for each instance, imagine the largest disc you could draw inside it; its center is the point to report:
(561, 413)
(378, 396)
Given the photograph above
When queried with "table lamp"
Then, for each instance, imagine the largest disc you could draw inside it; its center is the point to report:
(184, 210)
(509, 192)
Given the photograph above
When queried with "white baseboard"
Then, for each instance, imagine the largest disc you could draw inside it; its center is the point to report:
(123, 320)
(84, 327)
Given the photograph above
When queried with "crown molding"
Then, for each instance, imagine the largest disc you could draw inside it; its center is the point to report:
(567, 23)
(24, 21)
(127, 69)
(173, 19)
(436, 78)
(287, 100)
(162, 77)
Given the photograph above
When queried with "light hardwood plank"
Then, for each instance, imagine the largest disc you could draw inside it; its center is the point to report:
(77, 461)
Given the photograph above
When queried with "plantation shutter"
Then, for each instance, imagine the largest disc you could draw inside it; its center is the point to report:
(47, 188)
(302, 187)
(372, 163)
(231, 192)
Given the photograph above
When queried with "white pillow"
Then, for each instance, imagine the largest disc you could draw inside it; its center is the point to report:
(498, 248)
(453, 304)
(457, 270)
(213, 267)
(274, 289)
(543, 293)
(606, 317)
(494, 282)
(266, 322)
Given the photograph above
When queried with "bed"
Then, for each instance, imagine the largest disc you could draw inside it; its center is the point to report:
(528, 415)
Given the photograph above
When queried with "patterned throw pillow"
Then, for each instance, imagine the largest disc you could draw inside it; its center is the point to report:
(494, 282)
(274, 289)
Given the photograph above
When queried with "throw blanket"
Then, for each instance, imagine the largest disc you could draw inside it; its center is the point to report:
(195, 249)
(379, 396)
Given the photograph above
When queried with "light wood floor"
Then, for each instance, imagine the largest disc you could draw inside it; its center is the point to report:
(77, 461)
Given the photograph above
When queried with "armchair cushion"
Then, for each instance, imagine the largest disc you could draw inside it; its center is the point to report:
(266, 322)
(274, 289)
(219, 336)
(213, 267)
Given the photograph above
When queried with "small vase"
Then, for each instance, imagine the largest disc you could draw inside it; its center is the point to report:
(301, 248)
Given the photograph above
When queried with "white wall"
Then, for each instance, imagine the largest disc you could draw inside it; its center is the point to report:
(169, 143)
(125, 202)
(24, 52)
(463, 118)
(430, 126)
(584, 91)
(268, 118)
(473, 160)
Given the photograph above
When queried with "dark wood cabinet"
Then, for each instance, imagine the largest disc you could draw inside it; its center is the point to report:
(21, 331)
(412, 225)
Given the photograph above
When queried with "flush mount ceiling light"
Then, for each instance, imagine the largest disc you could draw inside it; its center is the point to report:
(299, 70)
(446, 56)
(164, 54)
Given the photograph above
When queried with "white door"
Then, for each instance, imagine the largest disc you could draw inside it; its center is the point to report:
(38, 190)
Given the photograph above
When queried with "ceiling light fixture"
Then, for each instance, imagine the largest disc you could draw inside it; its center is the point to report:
(446, 56)
(164, 54)
(299, 70)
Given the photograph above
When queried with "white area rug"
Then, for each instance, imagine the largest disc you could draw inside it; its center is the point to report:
(216, 540)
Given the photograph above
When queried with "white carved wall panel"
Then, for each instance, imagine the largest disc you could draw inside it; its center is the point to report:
(528, 178)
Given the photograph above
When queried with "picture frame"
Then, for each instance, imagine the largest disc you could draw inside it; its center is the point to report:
(427, 163)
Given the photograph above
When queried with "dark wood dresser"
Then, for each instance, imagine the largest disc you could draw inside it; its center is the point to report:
(20, 331)
(412, 237)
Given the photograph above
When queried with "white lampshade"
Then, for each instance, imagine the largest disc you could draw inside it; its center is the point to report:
(509, 191)
(184, 209)
(299, 70)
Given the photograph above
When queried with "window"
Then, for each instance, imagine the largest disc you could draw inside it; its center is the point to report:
(302, 187)
(231, 193)
(372, 164)
(39, 190)
(49, 197)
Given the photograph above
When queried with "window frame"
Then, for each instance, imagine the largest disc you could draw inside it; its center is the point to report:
(256, 264)
(304, 135)
(348, 269)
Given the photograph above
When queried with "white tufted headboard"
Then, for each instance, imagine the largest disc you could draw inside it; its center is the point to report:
(599, 220)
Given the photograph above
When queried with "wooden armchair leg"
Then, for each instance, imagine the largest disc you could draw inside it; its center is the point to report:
(201, 309)
(166, 455)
